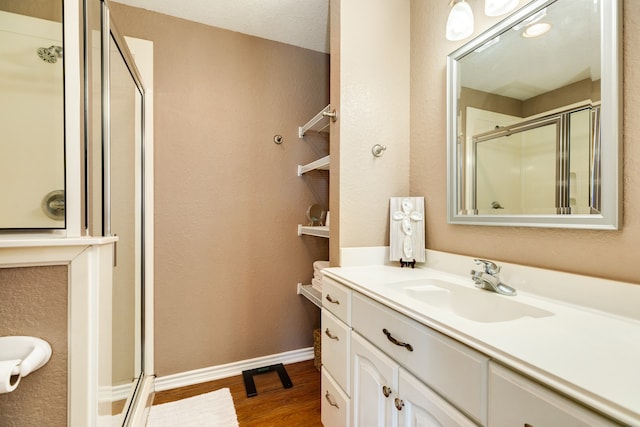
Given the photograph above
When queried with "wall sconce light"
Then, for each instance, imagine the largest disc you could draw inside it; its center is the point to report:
(499, 7)
(460, 21)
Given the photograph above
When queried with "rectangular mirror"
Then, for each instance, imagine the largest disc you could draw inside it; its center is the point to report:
(533, 119)
(32, 163)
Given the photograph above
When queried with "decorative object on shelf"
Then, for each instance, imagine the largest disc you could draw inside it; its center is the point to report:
(460, 21)
(278, 139)
(318, 266)
(377, 150)
(315, 215)
(407, 230)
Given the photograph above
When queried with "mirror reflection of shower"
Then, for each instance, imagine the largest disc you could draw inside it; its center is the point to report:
(32, 163)
(50, 54)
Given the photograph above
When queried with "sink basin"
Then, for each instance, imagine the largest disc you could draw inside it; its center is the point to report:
(468, 302)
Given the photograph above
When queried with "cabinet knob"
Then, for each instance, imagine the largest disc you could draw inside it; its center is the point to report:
(330, 335)
(386, 391)
(331, 300)
(399, 404)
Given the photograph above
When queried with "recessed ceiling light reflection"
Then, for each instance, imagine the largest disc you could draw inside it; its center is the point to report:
(536, 30)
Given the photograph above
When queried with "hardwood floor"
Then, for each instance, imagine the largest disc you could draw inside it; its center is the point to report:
(274, 405)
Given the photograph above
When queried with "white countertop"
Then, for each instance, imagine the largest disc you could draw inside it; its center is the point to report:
(586, 354)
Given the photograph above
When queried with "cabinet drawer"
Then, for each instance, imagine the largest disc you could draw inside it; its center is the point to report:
(337, 299)
(455, 371)
(517, 401)
(334, 404)
(335, 348)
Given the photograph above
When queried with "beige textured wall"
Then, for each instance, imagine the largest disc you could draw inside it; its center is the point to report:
(33, 302)
(371, 40)
(227, 199)
(43, 9)
(609, 254)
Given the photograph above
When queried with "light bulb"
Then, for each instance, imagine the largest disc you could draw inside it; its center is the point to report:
(460, 21)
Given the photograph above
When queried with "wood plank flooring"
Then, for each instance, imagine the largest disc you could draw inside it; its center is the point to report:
(274, 405)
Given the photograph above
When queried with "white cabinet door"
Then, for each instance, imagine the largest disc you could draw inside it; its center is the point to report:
(374, 385)
(419, 406)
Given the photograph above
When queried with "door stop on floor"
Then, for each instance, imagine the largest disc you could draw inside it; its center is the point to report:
(250, 385)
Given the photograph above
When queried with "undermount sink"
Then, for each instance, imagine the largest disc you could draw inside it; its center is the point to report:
(468, 302)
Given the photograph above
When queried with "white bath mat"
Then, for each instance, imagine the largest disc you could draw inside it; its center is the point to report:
(213, 409)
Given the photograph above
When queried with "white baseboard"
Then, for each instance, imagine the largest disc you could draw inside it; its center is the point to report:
(198, 376)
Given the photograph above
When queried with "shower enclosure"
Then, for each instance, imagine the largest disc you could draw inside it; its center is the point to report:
(76, 188)
(119, 204)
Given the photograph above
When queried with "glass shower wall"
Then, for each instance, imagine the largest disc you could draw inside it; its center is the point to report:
(115, 100)
(125, 137)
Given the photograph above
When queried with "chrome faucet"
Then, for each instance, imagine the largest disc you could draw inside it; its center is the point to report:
(489, 278)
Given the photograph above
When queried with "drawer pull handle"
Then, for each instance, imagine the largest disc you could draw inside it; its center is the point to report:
(399, 404)
(331, 300)
(330, 335)
(330, 400)
(396, 342)
(386, 391)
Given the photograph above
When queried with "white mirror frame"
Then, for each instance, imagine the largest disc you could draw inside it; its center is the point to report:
(610, 217)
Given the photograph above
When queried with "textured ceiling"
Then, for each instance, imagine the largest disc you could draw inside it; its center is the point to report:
(303, 23)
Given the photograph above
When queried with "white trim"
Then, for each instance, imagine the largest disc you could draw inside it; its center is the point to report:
(73, 114)
(198, 376)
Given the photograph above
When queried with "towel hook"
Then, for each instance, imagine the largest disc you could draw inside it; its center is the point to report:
(377, 150)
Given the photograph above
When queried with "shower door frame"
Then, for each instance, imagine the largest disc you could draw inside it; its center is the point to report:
(140, 397)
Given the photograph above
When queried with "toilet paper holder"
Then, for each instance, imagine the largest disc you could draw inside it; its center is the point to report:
(20, 356)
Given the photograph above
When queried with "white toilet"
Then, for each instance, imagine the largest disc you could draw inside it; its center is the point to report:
(19, 356)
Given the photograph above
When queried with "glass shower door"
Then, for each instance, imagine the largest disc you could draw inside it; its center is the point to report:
(125, 221)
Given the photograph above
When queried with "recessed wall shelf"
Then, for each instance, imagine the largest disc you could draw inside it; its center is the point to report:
(315, 230)
(312, 294)
(320, 164)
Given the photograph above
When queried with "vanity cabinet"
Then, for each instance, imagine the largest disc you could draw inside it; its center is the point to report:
(336, 345)
(400, 372)
(517, 401)
(384, 394)
(454, 371)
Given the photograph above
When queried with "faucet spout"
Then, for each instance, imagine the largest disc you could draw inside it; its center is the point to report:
(490, 280)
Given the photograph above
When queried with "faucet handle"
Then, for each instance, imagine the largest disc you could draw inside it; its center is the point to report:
(489, 267)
